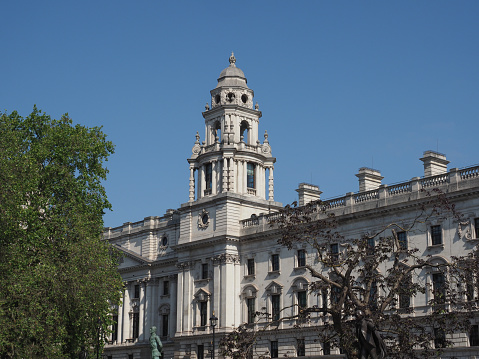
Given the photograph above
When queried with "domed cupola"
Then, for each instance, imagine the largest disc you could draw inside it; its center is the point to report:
(231, 159)
(232, 88)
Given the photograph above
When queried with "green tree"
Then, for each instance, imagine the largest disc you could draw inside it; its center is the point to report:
(58, 278)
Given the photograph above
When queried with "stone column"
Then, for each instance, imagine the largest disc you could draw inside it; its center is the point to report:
(239, 178)
(126, 314)
(179, 303)
(257, 178)
(120, 321)
(225, 175)
(142, 311)
(202, 181)
(232, 175)
(173, 304)
(214, 169)
(271, 184)
(192, 182)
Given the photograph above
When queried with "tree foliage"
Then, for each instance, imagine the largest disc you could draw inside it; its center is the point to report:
(378, 275)
(58, 278)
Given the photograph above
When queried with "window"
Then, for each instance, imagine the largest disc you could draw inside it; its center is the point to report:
(137, 291)
(130, 356)
(334, 253)
(250, 266)
(250, 180)
(469, 286)
(166, 287)
(164, 325)
(301, 258)
(404, 296)
(326, 348)
(439, 288)
(335, 295)
(208, 176)
(402, 239)
(474, 336)
(439, 338)
(200, 353)
(274, 349)
(436, 235)
(275, 262)
(114, 329)
(275, 306)
(203, 313)
(370, 247)
(302, 300)
(476, 227)
(324, 297)
(300, 348)
(250, 304)
(204, 271)
(136, 325)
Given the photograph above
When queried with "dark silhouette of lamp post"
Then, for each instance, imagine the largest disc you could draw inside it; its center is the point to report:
(213, 322)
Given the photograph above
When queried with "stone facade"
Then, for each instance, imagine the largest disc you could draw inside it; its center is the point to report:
(217, 252)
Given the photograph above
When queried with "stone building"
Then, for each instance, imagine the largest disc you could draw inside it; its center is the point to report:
(218, 254)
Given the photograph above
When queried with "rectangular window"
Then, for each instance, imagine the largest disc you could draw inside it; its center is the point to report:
(250, 303)
(324, 297)
(302, 300)
(203, 313)
(204, 271)
(275, 306)
(114, 329)
(436, 235)
(300, 348)
(136, 325)
(250, 266)
(476, 227)
(200, 352)
(439, 288)
(166, 287)
(275, 262)
(208, 176)
(250, 180)
(334, 253)
(404, 296)
(474, 336)
(164, 325)
(274, 349)
(373, 296)
(370, 247)
(439, 338)
(326, 348)
(130, 356)
(335, 295)
(136, 294)
(469, 286)
(402, 239)
(301, 258)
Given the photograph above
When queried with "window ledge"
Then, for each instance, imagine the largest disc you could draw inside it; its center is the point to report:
(300, 267)
(435, 246)
(250, 276)
(164, 296)
(202, 280)
(274, 272)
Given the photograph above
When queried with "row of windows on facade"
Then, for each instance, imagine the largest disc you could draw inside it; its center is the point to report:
(136, 327)
(439, 342)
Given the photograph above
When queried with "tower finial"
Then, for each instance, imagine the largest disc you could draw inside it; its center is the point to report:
(232, 59)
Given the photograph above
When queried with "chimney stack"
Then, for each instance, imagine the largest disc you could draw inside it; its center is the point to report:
(308, 193)
(369, 179)
(435, 163)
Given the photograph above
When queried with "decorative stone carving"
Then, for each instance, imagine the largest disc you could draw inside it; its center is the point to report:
(203, 219)
(196, 148)
(468, 233)
(184, 265)
(226, 258)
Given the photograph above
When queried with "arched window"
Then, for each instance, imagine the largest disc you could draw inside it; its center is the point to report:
(244, 132)
(274, 291)
(202, 298)
(217, 131)
(249, 296)
(250, 177)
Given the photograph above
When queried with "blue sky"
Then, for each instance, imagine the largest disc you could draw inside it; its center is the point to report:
(341, 85)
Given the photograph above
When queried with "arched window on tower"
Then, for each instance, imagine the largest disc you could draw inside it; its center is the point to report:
(250, 177)
(217, 132)
(244, 132)
(208, 178)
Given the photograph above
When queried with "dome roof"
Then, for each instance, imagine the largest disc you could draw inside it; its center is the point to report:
(232, 75)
